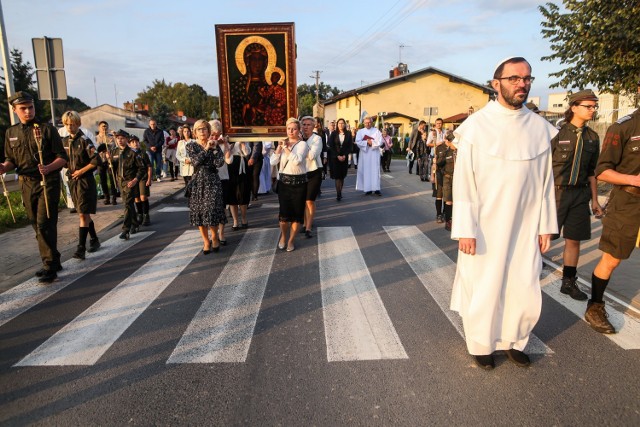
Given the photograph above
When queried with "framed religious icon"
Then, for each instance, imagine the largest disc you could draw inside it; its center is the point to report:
(257, 74)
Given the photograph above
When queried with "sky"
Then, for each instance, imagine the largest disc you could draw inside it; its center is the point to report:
(125, 44)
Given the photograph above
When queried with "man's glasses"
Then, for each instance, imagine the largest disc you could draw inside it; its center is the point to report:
(514, 80)
(589, 107)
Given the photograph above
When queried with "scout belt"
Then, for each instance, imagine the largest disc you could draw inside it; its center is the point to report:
(292, 179)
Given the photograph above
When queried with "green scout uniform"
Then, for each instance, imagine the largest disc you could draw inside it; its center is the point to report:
(21, 149)
(130, 166)
(143, 190)
(440, 159)
(446, 161)
(621, 152)
(83, 190)
(571, 175)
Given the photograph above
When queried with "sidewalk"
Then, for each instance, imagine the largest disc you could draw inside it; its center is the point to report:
(20, 258)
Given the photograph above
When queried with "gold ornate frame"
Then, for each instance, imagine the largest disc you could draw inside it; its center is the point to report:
(253, 106)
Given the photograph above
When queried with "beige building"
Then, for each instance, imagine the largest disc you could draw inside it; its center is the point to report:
(425, 94)
(118, 118)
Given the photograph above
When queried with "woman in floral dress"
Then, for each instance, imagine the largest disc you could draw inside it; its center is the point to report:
(206, 207)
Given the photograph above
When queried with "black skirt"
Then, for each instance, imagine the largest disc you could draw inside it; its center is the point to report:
(292, 202)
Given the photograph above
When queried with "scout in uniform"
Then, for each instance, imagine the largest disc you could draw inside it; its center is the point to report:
(144, 186)
(619, 164)
(130, 173)
(39, 180)
(106, 143)
(575, 156)
(445, 162)
(82, 162)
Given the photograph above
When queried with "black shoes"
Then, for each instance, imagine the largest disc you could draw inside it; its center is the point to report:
(378, 193)
(146, 220)
(570, 288)
(597, 317)
(485, 361)
(44, 271)
(107, 201)
(80, 252)
(368, 193)
(48, 276)
(518, 357)
(447, 225)
(113, 201)
(134, 229)
(94, 244)
(124, 235)
(308, 234)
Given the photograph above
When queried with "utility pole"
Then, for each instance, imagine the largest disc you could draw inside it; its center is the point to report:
(317, 77)
(6, 64)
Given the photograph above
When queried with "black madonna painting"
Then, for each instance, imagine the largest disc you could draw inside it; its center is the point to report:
(256, 68)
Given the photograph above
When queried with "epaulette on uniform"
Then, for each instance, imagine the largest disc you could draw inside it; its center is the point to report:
(623, 119)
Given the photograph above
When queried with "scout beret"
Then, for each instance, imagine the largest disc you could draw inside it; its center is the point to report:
(583, 95)
(20, 97)
(120, 132)
(134, 138)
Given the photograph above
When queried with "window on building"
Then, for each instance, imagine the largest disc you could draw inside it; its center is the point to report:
(339, 104)
(347, 102)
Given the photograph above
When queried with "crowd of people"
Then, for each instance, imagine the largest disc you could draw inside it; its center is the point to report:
(503, 226)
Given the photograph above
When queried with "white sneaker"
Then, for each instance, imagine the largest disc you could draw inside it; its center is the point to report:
(158, 179)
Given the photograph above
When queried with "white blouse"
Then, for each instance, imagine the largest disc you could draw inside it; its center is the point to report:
(295, 162)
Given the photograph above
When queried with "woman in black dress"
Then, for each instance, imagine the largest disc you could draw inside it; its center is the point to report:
(340, 146)
(240, 181)
(206, 207)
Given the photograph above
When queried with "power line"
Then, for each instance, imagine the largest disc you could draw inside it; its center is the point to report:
(395, 19)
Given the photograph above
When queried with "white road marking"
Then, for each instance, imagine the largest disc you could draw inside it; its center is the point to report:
(174, 209)
(222, 329)
(357, 325)
(21, 298)
(628, 327)
(85, 339)
(436, 272)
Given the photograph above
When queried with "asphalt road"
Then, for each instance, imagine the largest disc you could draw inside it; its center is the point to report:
(352, 328)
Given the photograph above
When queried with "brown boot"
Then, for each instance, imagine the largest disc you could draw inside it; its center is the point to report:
(596, 317)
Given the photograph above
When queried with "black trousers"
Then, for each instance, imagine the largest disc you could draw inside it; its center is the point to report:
(255, 177)
(106, 182)
(46, 228)
(128, 201)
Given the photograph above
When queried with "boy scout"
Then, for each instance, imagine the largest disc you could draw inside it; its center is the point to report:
(445, 162)
(144, 186)
(105, 143)
(82, 161)
(21, 153)
(619, 164)
(575, 155)
(130, 173)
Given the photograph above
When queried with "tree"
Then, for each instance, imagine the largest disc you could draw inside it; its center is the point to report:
(307, 96)
(161, 112)
(192, 100)
(598, 42)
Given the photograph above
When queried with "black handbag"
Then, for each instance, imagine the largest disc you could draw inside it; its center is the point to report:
(189, 187)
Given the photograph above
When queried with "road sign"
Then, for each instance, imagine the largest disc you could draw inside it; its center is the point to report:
(58, 83)
(430, 111)
(52, 83)
(48, 53)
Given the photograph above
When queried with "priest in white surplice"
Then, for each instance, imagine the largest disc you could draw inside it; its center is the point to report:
(369, 140)
(504, 217)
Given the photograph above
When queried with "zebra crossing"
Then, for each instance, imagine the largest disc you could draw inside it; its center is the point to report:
(356, 323)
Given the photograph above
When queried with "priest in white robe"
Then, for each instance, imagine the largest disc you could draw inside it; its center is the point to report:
(369, 140)
(504, 218)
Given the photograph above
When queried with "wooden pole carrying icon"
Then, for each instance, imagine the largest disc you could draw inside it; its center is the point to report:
(37, 133)
(6, 194)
